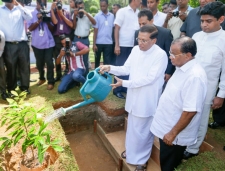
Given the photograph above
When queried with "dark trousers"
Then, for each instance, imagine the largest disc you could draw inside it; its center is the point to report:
(107, 54)
(113, 57)
(219, 115)
(85, 57)
(2, 76)
(120, 60)
(17, 55)
(170, 156)
(70, 80)
(45, 56)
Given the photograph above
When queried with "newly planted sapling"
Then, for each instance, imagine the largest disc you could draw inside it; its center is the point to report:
(24, 123)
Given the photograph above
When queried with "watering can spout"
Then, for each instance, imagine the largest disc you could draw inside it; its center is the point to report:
(62, 111)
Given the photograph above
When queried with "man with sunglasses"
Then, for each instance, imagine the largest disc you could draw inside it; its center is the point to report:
(145, 66)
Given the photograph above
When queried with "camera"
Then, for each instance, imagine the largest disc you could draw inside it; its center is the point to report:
(80, 14)
(8, 1)
(44, 12)
(67, 48)
(175, 14)
(59, 5)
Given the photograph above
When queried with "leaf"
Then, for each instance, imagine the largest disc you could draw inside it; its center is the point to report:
(42, 128)
(18, 137)
(3, 122)
(40, 153)
(10, 101)
(14, 93)
(55, 142)
(13, 133)
(12, 125)
(48, 138)
(4, 138)
(57, 148)
(5, 144)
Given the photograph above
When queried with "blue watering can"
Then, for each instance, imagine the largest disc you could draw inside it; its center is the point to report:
(97, 86)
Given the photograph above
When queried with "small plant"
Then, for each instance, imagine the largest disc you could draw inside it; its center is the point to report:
(25, 123)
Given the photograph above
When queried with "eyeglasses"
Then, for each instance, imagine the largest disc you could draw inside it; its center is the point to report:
(174, 56)
(142, 41)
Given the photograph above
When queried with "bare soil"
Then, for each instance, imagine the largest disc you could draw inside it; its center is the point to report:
(90, 152)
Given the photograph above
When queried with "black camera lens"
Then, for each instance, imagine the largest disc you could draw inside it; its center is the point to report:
(80, 14)
(175, 14)
(59, 5)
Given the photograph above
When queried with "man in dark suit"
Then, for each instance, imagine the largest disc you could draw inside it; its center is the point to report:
(164, 38)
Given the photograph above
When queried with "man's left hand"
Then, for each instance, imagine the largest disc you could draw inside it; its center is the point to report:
(118, 84)
(217, 102)
(182, 16)
(167, 77)
(169, 138)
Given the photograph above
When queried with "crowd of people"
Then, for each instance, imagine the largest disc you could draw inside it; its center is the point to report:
(169, 65)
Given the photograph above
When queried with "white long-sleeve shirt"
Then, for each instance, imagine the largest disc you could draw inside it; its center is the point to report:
(211, 56)
(146, 70)
(12, 22)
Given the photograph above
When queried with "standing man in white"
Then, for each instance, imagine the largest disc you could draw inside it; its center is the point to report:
(146, 66)
(211, 55)
(126, 23)
(177, 118)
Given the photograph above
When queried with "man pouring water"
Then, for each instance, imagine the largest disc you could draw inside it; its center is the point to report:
(146, 66)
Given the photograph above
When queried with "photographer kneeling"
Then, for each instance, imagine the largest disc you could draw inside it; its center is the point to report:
(42, 43)
(73, 52)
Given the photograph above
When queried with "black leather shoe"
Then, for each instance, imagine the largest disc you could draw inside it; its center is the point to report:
(188, 155)
(4, 96)
(214, 125)
(119, 95)
(224, 148)
(57, 79)
(26, 90)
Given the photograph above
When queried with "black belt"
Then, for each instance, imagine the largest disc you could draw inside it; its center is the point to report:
(15, 42)
(81, 37)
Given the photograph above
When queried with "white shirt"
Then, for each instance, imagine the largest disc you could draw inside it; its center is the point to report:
(2, 42)
(83, 26)
(146, 70)
(185, 91)
(159, 19)
(127, 19)
(12, 22)
(211, 56)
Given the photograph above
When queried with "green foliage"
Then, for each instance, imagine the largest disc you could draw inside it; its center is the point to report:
(89, 3)
(192, 3)
(25, 123)
(93, 9)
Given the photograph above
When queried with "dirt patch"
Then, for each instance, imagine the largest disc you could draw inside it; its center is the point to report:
(90, 152)
(218, 148)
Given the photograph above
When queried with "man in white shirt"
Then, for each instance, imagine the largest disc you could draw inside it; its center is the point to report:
(159, 17)
(126, 23)
(145, 66)
(211, 56)
(16, 51)
(177, 118)
(175, 18)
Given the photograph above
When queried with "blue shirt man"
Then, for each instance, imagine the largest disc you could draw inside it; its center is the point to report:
(102, 40)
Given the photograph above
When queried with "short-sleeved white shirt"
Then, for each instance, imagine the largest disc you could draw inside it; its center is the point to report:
(83, 26)
(185, 91)
(127, 19)
(159, 19)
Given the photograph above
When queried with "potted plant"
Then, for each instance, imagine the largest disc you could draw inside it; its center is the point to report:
(26, 128)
